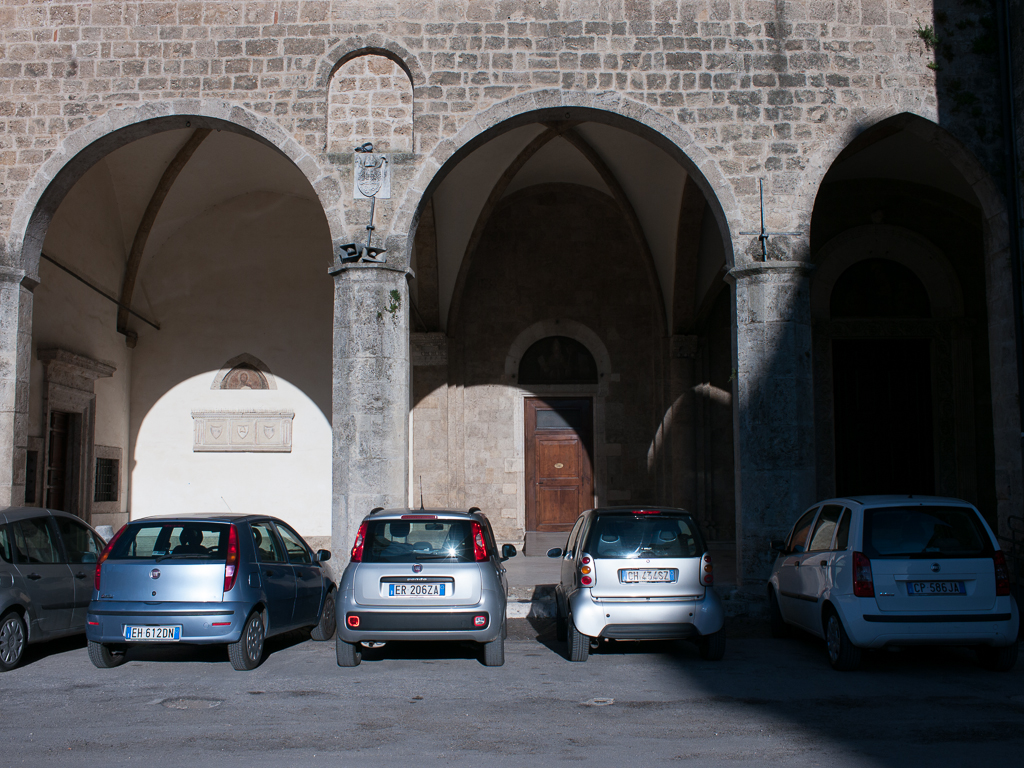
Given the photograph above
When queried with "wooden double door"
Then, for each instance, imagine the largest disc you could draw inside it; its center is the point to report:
(559, 464)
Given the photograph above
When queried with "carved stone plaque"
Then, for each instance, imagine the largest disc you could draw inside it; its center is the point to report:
(242, 431)
(372, 172)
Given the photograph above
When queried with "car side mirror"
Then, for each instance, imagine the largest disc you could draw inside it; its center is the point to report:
(507, 551)
(777, 545)
(555, 552)
(323, 555)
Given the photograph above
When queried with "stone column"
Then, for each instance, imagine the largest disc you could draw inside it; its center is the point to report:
(773, 411)
(370, 414)
(15, 363)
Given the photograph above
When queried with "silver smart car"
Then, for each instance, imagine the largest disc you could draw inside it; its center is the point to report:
(637, 573)
(223, 579)
(423, 575)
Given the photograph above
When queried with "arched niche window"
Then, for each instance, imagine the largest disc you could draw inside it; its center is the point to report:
(370, 99)
(875, 288)
(557, 360)
(244, 372)
(244, 376)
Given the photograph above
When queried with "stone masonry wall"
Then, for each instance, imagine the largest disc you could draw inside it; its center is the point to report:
(763, 89)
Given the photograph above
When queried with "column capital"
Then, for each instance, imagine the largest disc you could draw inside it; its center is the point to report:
(769, 271)
(18, 277)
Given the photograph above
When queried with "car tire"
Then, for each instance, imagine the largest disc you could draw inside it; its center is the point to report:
(324, 630)
(997, 659)
(494, 651)
(561, 625)
(712, 647)
(348, 654)
(779, 627)
(579, 644)
(843, 655)
(104, 656)
(248, 651)
(12, 641)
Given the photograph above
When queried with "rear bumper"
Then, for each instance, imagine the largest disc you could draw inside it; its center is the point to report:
(646, 619)
(106, 620)
(870, 628)
(414, 622)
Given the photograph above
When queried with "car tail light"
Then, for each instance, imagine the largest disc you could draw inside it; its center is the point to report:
(357, 548)
(419, 517)
(646, 511)
(707, 571)
(352, 620)
(479, 547)
(587, 576)
(863, 585)
(104, 555)
(231, 560)
(1002, 574)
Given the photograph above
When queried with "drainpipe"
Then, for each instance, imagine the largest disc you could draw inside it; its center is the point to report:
(1013, 192)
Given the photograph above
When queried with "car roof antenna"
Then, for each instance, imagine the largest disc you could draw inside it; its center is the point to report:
(421, 491)
(227, 505)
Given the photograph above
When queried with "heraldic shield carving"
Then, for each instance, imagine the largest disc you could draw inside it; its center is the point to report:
(372, 176)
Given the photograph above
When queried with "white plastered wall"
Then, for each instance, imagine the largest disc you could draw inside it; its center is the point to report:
(248, 276)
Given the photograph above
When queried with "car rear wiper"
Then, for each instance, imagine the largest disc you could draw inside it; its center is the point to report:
(182, 555)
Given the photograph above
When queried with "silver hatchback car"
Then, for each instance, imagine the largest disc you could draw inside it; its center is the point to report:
(223, 579)
(423, 575)
(637, 573)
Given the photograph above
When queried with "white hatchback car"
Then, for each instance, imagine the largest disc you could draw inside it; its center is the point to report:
(877, 571)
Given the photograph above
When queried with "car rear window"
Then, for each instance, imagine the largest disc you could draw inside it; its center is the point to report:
(651, 536)
(924, 532)
(412, 541)
(180, 540)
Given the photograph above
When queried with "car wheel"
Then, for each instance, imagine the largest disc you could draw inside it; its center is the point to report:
(494, 651)
(12, 641)
(561, 625)
(997, 659)
(324, 630)
(843, 655)
(779, 626)
(348, 654)
(106, 656)
(579, 644)
(248, 651)
(712, 647)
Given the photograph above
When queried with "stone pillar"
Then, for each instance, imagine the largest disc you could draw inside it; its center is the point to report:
(773, 411)
(370, 414)
(15, 362)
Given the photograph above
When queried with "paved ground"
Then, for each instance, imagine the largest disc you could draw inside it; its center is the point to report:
(630, 705)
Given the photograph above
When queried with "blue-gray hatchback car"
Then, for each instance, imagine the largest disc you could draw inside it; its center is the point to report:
(222, 579)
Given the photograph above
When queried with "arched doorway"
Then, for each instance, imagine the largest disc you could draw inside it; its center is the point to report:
(581, 240)
(902, 297)
(181, 260)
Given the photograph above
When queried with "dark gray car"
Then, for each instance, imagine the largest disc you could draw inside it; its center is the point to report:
(424, 575)
(223, 579)
(47, 561)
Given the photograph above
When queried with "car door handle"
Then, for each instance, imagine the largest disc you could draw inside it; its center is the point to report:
(823, 563)
(79, 575)
(34, 576)
(268, 573)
